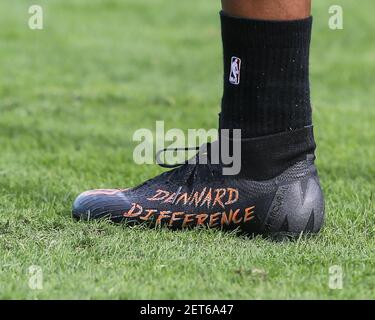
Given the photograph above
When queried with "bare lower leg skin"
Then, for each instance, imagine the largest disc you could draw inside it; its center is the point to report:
(268, 9)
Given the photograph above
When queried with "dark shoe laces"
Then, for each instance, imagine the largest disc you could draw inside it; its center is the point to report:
(166, 165)
(190, 170)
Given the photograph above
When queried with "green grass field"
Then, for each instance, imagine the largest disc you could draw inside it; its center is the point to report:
(71, 97)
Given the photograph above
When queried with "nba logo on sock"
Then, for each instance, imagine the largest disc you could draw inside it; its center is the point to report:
(235, 68)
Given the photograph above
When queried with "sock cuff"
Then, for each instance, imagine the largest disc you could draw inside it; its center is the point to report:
(254, 33)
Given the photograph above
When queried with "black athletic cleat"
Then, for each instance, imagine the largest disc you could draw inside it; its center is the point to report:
(288, 203)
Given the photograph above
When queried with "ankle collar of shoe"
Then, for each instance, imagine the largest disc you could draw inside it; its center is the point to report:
(264, 158)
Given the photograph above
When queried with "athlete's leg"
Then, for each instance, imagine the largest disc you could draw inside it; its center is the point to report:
(269, 100)
(271, 38)
(268, 9)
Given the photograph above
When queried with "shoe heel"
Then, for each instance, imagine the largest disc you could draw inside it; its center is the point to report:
(297, 208)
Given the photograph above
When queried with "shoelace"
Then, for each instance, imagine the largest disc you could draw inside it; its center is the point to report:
(193, 173)
(176, 165)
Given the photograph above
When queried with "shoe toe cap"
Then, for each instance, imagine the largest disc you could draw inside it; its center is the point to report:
(99, 204)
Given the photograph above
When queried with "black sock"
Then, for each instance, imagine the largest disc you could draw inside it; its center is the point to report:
(270, 92)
